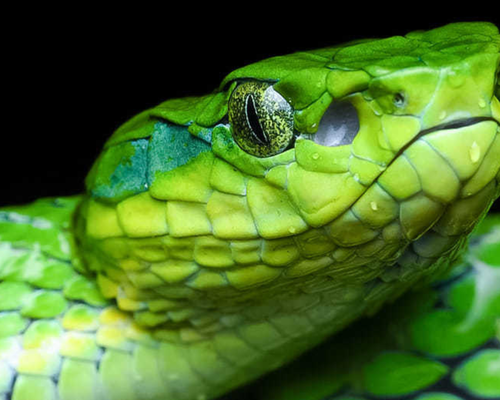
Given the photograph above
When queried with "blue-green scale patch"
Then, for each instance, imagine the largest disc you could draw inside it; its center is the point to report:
(129, 168)
(120, 171)
(170, 147)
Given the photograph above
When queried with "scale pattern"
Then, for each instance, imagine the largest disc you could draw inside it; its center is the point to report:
(190, 267)
(60, 339)
(440, 343)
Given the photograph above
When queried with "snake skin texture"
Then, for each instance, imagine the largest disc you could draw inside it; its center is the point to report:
(191, 267)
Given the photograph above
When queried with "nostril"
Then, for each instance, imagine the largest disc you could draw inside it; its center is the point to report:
(399, 100)
(339, 125)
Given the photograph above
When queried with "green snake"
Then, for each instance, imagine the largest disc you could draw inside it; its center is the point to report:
(222, 236)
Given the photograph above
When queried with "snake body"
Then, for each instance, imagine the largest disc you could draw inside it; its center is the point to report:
(222, 236)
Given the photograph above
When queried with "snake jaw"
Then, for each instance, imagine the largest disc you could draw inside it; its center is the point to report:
(425, 200)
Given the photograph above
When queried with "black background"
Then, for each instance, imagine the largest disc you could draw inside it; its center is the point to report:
(70, 79)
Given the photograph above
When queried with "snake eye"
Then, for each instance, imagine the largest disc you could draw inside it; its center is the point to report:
(261, 119)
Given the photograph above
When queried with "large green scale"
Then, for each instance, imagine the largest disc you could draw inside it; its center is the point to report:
(223, 236)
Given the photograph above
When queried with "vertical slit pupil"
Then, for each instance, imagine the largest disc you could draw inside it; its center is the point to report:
(253, 122)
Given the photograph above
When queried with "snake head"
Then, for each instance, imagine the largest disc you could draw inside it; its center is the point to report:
(358, 166)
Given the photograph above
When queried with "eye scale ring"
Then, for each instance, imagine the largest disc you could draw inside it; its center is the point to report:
(261, 119)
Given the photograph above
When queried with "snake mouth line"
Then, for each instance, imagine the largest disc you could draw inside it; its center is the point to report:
(457, 124)
(460, 123)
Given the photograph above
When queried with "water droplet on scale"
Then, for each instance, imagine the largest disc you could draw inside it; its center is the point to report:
(482, 103)
(374, 206)
(456, 78)
(442, 115)
(315, 156)
(475, 152)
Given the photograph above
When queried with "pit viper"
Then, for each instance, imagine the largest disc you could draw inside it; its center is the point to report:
(327, 192)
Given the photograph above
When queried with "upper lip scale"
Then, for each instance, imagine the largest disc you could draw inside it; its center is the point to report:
(461, 123)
